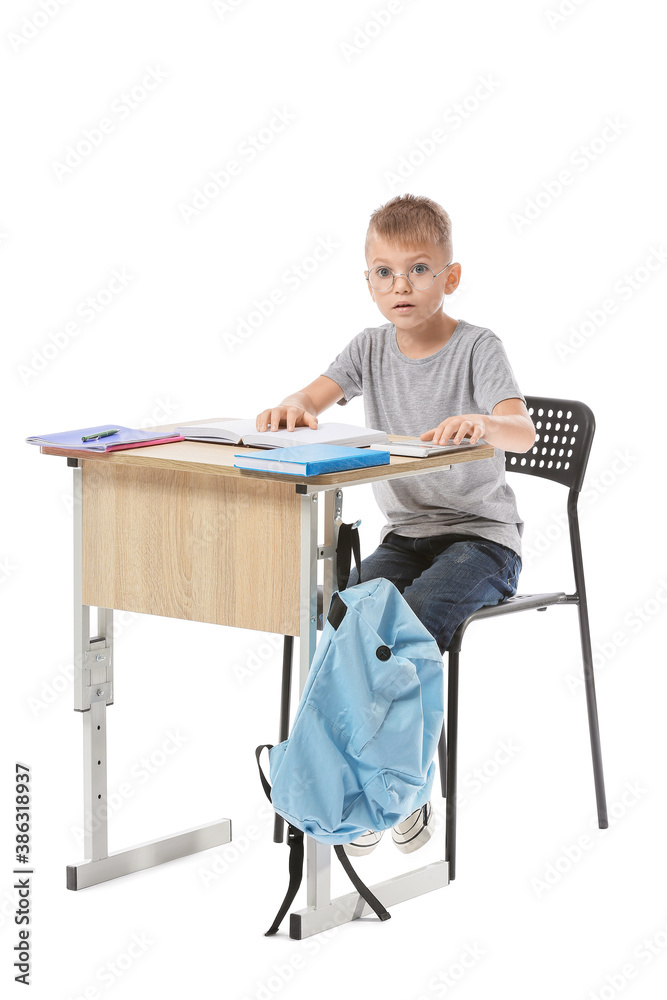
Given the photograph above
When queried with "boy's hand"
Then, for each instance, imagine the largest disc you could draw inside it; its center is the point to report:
(470, 425)
(288, 416)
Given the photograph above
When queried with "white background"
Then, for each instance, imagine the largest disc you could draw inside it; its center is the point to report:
(543, 904)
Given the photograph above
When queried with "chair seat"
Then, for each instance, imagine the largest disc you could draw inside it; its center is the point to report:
(521, 602)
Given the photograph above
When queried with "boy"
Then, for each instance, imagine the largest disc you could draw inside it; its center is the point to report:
(452, 542)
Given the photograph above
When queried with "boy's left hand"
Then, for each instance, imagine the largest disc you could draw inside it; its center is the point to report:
(470, 425)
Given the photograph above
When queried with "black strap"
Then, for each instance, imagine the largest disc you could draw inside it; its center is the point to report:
(296, 853)
(337, 610)
(295, 841)
(348, 542)
(360, 886)
(265, 785)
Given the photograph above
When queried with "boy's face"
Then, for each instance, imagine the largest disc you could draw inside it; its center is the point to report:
(407, 307)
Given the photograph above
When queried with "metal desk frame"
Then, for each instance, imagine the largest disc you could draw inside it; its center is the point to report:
(93, 693)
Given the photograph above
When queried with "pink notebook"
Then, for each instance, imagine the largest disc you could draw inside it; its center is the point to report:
(143, 444)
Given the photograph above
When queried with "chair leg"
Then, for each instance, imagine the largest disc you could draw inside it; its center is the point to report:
(442, 761)
(591, 702)
(452, 714)
(283, 728)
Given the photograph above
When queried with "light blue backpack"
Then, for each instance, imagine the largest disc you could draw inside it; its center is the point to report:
(360, 753)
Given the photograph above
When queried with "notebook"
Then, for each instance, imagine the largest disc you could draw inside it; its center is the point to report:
(127, 437)
(422, 449)
(245, 432)
(311, 459)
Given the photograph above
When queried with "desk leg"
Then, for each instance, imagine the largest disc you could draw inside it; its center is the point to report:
(318, 856)
(93, 691)
(322, 912)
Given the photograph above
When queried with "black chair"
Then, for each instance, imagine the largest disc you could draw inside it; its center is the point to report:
(565, 430)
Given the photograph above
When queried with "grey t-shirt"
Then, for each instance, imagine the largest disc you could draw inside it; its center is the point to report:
(469, 374)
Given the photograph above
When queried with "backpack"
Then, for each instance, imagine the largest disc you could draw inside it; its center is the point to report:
(360, 752)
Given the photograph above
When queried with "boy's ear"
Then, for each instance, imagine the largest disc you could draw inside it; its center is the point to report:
(451, 286)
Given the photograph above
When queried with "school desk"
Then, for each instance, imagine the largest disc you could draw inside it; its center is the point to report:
(141, 517)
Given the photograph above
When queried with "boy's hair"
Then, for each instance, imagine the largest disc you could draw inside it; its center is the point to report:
(410, 219)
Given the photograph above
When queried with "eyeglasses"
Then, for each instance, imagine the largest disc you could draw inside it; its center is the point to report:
(420, 276)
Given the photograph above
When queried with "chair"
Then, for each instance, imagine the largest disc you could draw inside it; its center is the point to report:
(565, 430)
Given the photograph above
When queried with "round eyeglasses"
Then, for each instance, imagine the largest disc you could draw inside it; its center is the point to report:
(420, 276)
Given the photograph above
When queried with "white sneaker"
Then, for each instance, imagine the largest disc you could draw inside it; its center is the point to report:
(364, 844)
(414, 831)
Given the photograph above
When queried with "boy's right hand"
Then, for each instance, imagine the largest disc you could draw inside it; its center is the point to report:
(287, 416)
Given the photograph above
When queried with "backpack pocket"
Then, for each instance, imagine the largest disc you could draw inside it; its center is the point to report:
(371, 679)
(392, 795)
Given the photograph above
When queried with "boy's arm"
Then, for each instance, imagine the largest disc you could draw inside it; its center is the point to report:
(302, 407)
(509, 427)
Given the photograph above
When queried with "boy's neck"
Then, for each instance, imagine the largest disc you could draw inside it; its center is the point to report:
(420, 343)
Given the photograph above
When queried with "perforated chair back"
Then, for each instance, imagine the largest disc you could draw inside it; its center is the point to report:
(565, 429)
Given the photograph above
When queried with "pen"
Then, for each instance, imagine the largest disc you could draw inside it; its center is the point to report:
(100, 434)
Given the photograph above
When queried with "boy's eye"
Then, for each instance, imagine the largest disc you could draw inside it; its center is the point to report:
(420, 269)
(383, 272)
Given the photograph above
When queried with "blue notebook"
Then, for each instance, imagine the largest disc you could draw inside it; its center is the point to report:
(311, 459)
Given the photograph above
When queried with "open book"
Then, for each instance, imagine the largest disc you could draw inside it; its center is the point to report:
(245, 432)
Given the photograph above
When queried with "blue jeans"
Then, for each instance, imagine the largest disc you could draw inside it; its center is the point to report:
(444, 578)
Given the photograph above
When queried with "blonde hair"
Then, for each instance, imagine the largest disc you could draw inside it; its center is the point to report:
(409, 219)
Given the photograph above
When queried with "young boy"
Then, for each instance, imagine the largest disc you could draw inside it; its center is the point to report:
(452, 541)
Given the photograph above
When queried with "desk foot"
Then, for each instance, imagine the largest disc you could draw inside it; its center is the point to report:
(341, 910)
(153, 852)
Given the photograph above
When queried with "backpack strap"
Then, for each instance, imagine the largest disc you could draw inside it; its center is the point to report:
(296, 853)
(348, 542)
(295, 842)
(360, 886)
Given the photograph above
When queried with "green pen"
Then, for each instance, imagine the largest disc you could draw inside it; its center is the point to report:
(101, 434)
